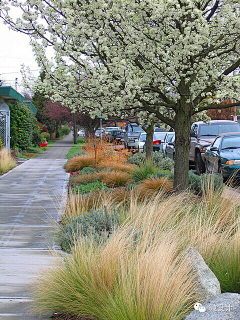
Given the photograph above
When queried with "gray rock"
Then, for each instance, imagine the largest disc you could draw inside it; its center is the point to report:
(224, 306)
(208, 284)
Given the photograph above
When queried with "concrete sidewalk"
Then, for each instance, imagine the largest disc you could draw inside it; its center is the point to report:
(30, 196)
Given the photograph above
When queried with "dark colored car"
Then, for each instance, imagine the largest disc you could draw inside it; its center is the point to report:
(223, 156)
(203, 134)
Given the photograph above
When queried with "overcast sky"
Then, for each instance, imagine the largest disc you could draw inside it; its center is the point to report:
(15, 51)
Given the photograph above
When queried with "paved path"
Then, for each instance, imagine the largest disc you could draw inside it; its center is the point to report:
(29, 197)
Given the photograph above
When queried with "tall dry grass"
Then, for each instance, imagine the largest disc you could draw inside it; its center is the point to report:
(80, 162)
(6, 161)
(131, 276)
(141, 272)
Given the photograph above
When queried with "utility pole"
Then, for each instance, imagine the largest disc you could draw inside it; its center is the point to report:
(74, 128)
(16, 83)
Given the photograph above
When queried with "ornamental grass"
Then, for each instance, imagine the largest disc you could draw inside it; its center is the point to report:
(6, 161)
(115, 178)
(85, 178)
(140, 271)
(78, 163)
(116, 166)
(134, 275)
(152, 186)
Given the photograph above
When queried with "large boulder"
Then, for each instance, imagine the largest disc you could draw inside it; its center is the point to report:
(224, 306)
(207, 283)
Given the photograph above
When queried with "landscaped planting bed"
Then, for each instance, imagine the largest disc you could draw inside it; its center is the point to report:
(126, 242)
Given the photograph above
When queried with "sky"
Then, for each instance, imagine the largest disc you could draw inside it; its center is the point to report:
(15, 50)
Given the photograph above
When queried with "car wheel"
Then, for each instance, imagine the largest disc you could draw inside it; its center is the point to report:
(199, 164)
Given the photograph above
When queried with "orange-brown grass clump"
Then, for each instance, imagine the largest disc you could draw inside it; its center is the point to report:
(105, 150)
(152, 186)
(85, 178)
(116, 166)
(115, 178)
(78, 163)
(6, 161)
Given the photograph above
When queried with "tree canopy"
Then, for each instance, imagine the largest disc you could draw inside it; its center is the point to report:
(172, 59)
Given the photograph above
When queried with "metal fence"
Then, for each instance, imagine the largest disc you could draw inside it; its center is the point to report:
(5, 125)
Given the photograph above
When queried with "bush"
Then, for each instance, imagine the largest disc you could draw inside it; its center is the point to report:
(75, 154)
(22, 126)
(65, 130)
(45, 136)
(144, 171)
(90, 187)
(200, 184)
(80, 162)
(6, 161)
(164, 174)
(87, 170)
(158, 160)
(97, 225)
(115, 178)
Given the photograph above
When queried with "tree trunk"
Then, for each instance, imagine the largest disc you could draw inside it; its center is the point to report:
(74, 128)
(149, 142)
(182, 147)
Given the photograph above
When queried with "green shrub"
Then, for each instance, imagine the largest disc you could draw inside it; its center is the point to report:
(65, 130)
(164, 174)
(194, 182)
(87, 170)
(79, 152)
(45, 136)
(81, 140)
(144, 171)
(158, 160)
(199, 184)
(22, 126)
(97, 225)
(90, 187)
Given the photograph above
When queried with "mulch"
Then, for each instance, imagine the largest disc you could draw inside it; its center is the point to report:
(63, 316)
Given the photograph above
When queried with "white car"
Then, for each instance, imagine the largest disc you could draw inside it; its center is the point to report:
(140, 142)
(81, 133)
(166, 140)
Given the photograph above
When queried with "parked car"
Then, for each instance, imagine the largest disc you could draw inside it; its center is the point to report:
(98, 133)
(158, 137)
(170, 148)
(166, 140)
(223, 156)
(81, 133)
(108, 130)
(140, 142)
(131, 135)
(203, 134)
(116, 136)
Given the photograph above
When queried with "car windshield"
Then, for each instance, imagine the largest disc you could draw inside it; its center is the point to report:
(216, 129)
(143, 138)
(135, 129)
(231, 142)
(159, 135)
(169, 137)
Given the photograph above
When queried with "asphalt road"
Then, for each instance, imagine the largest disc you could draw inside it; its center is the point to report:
(31, 198)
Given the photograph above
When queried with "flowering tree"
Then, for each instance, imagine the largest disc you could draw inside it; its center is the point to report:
(152, 56)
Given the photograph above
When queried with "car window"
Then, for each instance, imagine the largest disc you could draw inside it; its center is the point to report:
(169, 137)
(217, 143)
(216, 129)
(143, 138)
(159, 135)
(232, 142)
